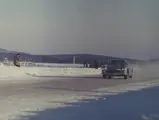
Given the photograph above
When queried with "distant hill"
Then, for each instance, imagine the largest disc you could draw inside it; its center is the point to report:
(60, 58)
(3, 50)
(80, 58)
(154, 60)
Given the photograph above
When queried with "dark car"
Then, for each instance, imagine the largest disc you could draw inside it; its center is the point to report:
(117, 68)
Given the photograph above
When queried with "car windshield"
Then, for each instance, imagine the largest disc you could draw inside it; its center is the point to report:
(117, 62)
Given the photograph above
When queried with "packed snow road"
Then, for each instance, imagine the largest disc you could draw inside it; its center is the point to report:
(21, 97)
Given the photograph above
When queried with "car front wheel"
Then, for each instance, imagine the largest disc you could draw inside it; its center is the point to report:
(104, 76)
(109, 77)
(125, 77)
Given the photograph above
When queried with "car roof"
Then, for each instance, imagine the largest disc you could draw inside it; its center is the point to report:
(119, 60)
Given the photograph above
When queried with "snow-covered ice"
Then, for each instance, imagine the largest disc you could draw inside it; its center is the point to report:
(18, 106)
(30, 98)
(141, 105)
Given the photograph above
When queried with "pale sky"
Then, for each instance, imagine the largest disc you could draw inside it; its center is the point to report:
(124, 28)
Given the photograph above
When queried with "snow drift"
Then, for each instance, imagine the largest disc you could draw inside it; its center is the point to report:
(11, 71)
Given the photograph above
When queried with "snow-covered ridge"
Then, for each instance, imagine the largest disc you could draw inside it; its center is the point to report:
(35, 71)
(35, 64)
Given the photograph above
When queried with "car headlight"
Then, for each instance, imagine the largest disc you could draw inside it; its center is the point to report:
(104, 68)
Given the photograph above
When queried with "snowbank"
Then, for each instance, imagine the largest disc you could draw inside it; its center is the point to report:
(66, 72)
(11, 71)
(34, 64)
